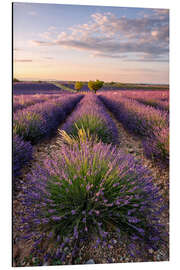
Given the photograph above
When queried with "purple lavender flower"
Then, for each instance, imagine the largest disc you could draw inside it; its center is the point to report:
(133, 219)
(84, 220)
(55, 218)
(58, 238)
(66, 240)
(22, 154)
(76, 234)
(45, 220)
(58, 252)
(116, 184)
(97, 212)
(51, 210)
(98, 241)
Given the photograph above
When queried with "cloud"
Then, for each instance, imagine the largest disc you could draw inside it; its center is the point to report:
(113, 56)
(41, 43)
(106, 35)
(139, 70)
(45, 35)
(23, 60)
(32, 13)
(147, 60)
(51, 31)
(48, 57)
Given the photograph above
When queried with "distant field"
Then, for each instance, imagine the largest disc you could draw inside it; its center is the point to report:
(26, 88)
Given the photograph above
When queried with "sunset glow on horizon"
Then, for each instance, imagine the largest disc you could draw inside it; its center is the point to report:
(71, 42)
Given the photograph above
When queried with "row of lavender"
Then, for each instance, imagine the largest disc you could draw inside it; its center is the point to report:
(158, 99)
(91, 115)
(37, 121)
(150, 123)
(162, 105)
(22, 101)
(155, 95)
(88, 189)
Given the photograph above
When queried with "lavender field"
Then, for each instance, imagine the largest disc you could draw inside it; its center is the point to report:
(90, 175)
(90, 134)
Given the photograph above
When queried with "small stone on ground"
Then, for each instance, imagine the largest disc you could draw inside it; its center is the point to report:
(91, 261)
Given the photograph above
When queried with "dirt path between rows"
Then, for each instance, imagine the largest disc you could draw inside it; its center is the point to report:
(117, 254)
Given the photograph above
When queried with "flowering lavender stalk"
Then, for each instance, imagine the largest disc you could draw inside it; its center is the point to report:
(91, 115)
(22, 153)
(157, 146)
(87, 191)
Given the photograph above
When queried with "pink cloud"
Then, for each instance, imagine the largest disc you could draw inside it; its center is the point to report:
(106, 35)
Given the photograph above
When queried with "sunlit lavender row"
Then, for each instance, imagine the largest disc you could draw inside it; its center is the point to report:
(158, 104)
(92, 115)
(22, 101)
(154, 95)
(36, 121)
(157, 99)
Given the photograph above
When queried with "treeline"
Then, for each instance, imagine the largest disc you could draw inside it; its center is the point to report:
(78, 85)
(93, 85)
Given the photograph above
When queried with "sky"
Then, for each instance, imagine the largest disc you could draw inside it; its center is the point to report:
(73, 42)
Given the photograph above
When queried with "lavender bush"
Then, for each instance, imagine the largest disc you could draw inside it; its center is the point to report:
(22, 153)
(30, 125)
(91, 115)
(157, 146)
(88, 192)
